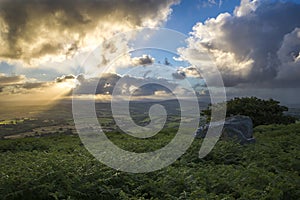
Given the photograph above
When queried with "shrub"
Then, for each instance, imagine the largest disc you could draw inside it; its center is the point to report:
(262, 112)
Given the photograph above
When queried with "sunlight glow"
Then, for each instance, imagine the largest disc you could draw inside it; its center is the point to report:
(68, 84)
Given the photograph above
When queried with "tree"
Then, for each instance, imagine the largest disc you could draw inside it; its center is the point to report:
(262, 112)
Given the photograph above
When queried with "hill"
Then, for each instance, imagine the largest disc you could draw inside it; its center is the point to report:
(59, 167)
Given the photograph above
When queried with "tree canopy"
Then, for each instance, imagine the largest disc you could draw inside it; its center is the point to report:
(262, 112)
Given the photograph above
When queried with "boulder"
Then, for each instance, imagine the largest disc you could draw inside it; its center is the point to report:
(237, 127)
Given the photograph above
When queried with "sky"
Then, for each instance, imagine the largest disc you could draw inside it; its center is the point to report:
(51, 48)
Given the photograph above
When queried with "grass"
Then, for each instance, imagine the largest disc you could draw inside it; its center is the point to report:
(14, 121)
(59, 167)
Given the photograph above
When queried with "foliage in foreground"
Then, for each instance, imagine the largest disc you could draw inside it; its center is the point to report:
(59, 167)
(262, 112)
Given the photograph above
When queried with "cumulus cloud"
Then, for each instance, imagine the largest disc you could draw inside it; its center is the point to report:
(289, 56)
(258, 44)
(19, 88)
(65, 78)
(45, 29)
(8, 80)
(143, 60)
(20, 84)
(179, 75)
(246, 7)
(209, 3)
(183, 72)
(17, 84)
(129, 85)
(192, 71)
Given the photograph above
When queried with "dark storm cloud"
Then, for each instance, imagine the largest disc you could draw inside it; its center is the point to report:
(192, 71)
(183, 72)
(20, 84)
(110, 46)
(107, 83)
(65, 78)
(23, 87)
(7, 80)
(143, 60)
(179, 75)
(248, 46)
(35, 85)
(35, 28)
(151, 90)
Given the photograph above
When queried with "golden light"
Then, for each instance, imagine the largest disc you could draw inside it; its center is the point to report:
(67, 84)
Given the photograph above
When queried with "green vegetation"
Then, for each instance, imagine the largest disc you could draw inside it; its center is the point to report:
(15, 121)
(59, 167)
(16, 126)
(262, 112)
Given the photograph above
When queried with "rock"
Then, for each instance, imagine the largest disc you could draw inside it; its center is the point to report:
(236, 127)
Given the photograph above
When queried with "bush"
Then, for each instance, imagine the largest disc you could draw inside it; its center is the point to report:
(262, 112)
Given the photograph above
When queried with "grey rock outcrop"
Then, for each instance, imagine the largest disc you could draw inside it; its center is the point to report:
(236, 127)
